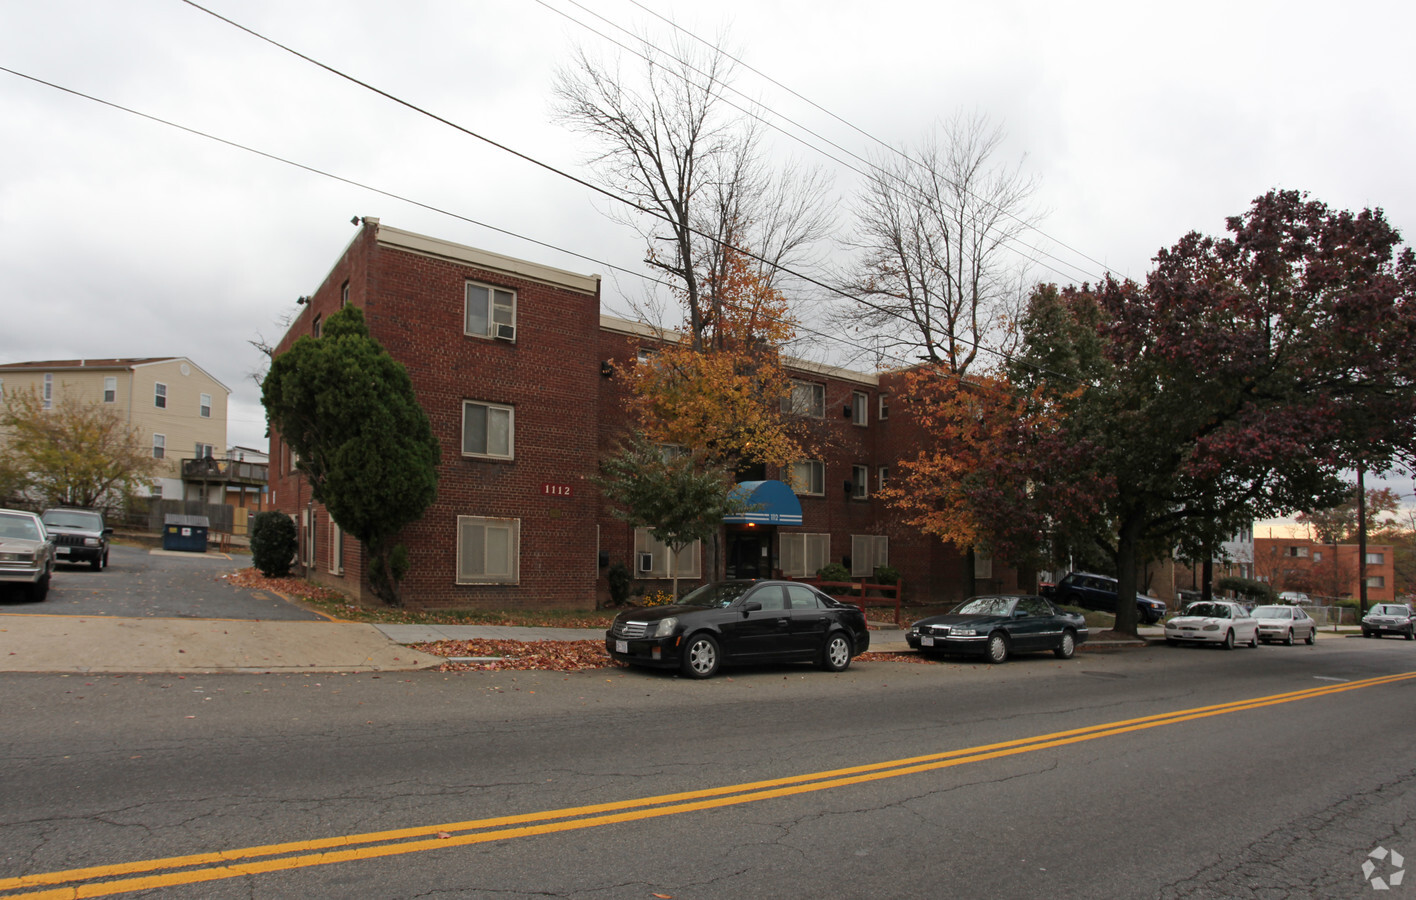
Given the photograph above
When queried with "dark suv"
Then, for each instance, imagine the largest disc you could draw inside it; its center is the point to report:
(1098, 592)
(80, 535)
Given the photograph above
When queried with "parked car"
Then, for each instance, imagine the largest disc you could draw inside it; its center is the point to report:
(1098, 592)
(80, 535)
(26, 552)
(1389, 618)
(740, 621)
(1222, 622)
(998, 626)
(1285, 623)
(1294, 597)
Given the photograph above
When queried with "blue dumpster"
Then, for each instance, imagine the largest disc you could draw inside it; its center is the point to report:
(185, 533)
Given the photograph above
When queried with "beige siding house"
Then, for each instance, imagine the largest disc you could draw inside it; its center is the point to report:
(177, 407)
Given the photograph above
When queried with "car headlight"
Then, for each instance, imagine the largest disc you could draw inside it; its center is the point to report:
(1211, 628)
(964, 632)
(15, 556)
(666, 627)
(90, 542)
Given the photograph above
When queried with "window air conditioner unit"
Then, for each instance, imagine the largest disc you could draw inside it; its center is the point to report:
(646, 562)
(506, 333)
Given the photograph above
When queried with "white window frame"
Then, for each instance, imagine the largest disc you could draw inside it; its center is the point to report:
(1376, 581)
(1376, 559)
(510, 430)
(48, 390)
(867, 552)
(204, 407)
(860, 408)
(205, 450)
(881, 475)
(159, 446)
(498, 308)
(506, 570)
(860, 482)
(797, 550)
(882, 410)
(807, 398)
(813, 467)
(159, 395)
(110, 389)
(687, 562)
(336, 548)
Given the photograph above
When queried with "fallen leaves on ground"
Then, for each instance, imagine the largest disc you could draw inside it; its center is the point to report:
(549, 656)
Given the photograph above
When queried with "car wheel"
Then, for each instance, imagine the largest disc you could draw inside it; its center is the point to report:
(1068, 646)
(997, 649)
(836, 655)
(1172, 642)
(1254, 641)
(96, 563)
(40, 589)
(1229, 639)
(700, 656)
(1288, 641)
(1312, 636)
(1411, 634)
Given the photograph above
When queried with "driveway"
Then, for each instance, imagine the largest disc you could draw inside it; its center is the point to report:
(140, 583)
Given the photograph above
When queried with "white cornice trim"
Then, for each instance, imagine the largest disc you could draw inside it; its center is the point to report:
(485, 259)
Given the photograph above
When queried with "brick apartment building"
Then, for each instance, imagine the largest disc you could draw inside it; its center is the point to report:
(515, 367)
(1329, 571)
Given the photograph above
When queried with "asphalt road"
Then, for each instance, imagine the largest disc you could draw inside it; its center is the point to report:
(1036, 778)
(139, 583)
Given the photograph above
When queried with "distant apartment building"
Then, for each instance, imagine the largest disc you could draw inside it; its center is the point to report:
(1331, 571)
(516, 368)
(177, 408)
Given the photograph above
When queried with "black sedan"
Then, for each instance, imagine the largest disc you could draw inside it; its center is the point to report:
(729, 622)
(998, 626)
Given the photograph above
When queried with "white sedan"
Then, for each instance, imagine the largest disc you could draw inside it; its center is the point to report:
(1284, 623)
(1216, 622)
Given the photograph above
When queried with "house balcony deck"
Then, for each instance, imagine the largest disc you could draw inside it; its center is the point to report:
(226, 471)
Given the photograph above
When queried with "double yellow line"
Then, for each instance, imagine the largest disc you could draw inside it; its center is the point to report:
(105, 881)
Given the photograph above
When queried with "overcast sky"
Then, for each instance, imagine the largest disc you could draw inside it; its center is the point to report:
(120, 236)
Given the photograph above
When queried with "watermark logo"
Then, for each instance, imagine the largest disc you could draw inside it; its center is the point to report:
(1390, 862)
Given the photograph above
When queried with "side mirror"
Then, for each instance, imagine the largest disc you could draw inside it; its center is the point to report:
(751, 606)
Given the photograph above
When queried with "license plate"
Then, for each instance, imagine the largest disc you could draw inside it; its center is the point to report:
(621, 646)
(926, 641)
(62, 551)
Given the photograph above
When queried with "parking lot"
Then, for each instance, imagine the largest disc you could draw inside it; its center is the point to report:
(142, 583)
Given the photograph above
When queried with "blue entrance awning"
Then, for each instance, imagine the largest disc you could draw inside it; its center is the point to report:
(765, 503)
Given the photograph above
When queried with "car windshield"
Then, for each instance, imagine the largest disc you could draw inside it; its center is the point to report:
(1390, 611)
(65, 519)
(18, 528)
(1273, 612)
(986, 606)
(1210, 610)
(720, 593)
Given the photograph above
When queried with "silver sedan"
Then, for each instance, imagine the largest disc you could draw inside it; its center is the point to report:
(1285, 623)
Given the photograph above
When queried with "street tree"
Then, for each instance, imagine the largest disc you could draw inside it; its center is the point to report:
(73, 454)
(666, 490)
(690, 165)
(348, 411)
(938, 273)
(1339, 524)
(1241, 380)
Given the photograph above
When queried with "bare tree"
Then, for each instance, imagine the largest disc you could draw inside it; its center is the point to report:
(692, 166)
(936, 277)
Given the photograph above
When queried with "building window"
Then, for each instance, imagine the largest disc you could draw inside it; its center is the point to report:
(1317, 556)
(651, 558)
(983, 566)
(48, 390)
(806, 399)
(205, 451)
(803, 555)
(488, 550)
(1375, 559)
(1376, 581)
(110, 389)
(487, 430)
(2, 389)
(809, 477)
(159, 395)
(159, 446)
(315, 328)
(868, 552)
(881, 474)
(860, 482)
(336, 549)
(205, 409)
(490, 312)
(344, 295)
(883, 412)
(860, 408)
(1299, 552)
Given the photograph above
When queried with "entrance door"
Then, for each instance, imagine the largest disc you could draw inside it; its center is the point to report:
(745, 555)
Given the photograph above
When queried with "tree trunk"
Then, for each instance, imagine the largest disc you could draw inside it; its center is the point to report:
(1127, 540)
